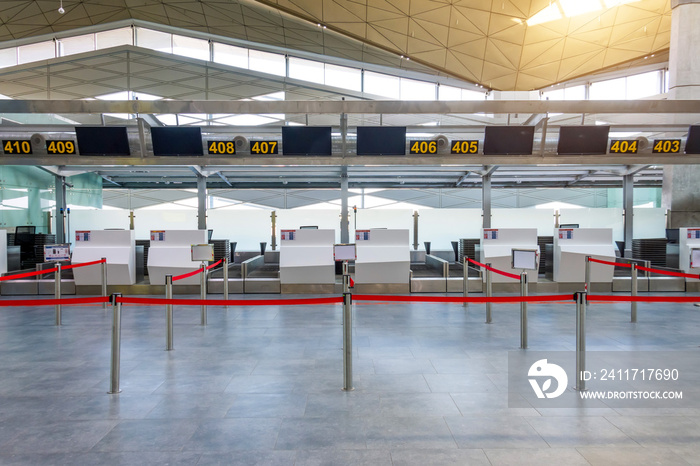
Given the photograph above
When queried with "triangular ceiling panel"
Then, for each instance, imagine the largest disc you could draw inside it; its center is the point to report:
(446, 37)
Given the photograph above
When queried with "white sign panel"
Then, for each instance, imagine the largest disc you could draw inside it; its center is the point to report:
(344, 252)
(56, 252)
(567, 233)
(202, 252)
(288, 235)
(491, 233)
(83, 235)
(525, 259)
(157, 235)
(361, 235)
(695, 258)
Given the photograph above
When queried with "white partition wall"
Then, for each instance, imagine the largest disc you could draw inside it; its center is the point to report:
(571, 246)
(383, 257)
(442, 226)
(610, 217)
(3, 251)
(117, 246)
(497, 246)
(688, 239)
(324, 219)
(247, 227)
(540, 219)
(170, 254)
(306, 257)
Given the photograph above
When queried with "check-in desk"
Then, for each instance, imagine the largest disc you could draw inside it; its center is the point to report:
(497, 246)
(306, 261)
(3, 251)
(383, 261)
(572, 245)
(170, 254)
(689, 239)
(117, 246)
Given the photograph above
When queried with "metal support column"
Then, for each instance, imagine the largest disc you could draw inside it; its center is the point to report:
(628, 205)
(489, 293)
(523, 311)
(168, 313)
(116, 343)
(587, 274)
(226, 280)
(415, 230)
(486, 200)
(201, 202)
(635, 289)
(60, 184)
(57, 291)
(581, 299)
(344, 215)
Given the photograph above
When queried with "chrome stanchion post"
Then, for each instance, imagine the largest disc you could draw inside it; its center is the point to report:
(116, 343)
(523, 311)
(465, 283)
(587, 289)
(226, 280)
(633, 304)
(489, 293)
(347, 341)
(346, 278)
(104, 280)
(168, 313)
(57, 292)
(581, 299)
(203, 292)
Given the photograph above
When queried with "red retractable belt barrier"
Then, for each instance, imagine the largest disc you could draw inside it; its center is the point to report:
(28, 274)
(644, 299)
(669, 272)
(500, 272)
(214, 264)
(82, 264)
(232, 302)
(53, 302)
(450, 299)
(614, 264)
(187, 275)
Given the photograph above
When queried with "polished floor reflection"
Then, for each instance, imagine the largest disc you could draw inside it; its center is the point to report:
(262, 385)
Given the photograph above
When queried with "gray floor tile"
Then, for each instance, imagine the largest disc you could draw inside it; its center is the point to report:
(494, 432)
(659, 431)
(629, 456)
(354, 457)
(535, 456)
(234, 434)
(408, 432)
(579, 431)
(148, 435)
(248, 458)
(267, 405)
(336, 432)
(58, 437)
(414, 457)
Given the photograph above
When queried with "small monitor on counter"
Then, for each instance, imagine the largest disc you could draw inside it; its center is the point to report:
(525, 259)
(344, 252)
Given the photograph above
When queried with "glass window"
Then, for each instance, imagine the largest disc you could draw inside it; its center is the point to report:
(77, 44)
(306, 70)
(35, 52)
(449, 93)
(417, 90)
(382, 84)
(8, 57)
(666, 81)
(472, 95)
(230, 55)
(191, 47)
(575, 93)
(556, 94)
(272, 63)
(154, 40)
(113, 38)
(643, 85)
(612, 89)
(344, 77)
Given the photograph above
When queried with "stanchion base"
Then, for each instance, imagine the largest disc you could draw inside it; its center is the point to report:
(114, 393)
(351, 389)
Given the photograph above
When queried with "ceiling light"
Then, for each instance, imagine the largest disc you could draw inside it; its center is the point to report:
(577, 7)
(550, 13)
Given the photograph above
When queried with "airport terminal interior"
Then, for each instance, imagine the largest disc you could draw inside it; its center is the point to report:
(391, 232)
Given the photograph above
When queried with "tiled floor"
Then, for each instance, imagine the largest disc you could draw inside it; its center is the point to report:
(261, 385)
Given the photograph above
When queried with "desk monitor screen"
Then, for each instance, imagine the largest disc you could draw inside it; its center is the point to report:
(695, 258)
(56, 252)
(306, 140)
(202, 252)
(692, 144)
(177, 140)
(525, 259)
(381, 140)
(583, 140)
(568, 225)
(102, 140)
(344, 252)
(508, 140)
(308, 227)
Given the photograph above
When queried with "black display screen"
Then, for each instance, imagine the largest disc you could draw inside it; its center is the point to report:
(583, 140)
(177, 140)
(381, 140)
(306, 140)
(508, 140)
(692, 144)
(102, 140)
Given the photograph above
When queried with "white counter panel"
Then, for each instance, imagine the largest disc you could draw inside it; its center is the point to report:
(117, 246)
(570, 255)
(384, 258)
(308, 258)
(173, 256)
(498, 252)
(3, 251)
(685, 244)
